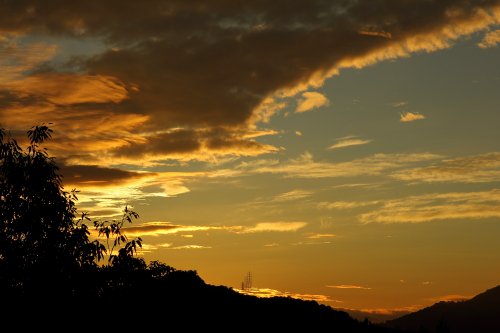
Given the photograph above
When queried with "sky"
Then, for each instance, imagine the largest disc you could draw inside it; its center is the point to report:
(342, 151)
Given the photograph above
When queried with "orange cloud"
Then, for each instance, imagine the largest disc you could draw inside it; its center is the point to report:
(274, 226)
(167, 228)
(407, 117)
(320, 236)
(470, 169)
(439, 206)
(68, 89)
(348, 141)
(268, 292)
(306, 167)
(491, 39)
(310, 101)
(346, 204)
(348, 286)
(450, 298)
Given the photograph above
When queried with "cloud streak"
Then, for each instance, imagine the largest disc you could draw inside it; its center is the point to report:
(267, 292)
(348, 142)
(274, 227)
(348, 286)
(168, 228)
(440, 206)
(470, 169)
(306, 167)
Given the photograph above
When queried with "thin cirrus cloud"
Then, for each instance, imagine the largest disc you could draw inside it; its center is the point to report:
(310, 101)
(149, 248)
(437, 206)
(320, 236)
(348, 141)
(450, 298)
(181, 81)
(491, 39)
(292, 195)
(167, 228)
(306, 167)
(348, 286)
(482, 168)
(268, 292)
(341, 205)
(407, 117)
(273, 226)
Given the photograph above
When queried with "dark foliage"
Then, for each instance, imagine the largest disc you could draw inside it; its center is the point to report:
(53, 275)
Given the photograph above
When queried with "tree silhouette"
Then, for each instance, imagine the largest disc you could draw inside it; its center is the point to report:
(43, 245)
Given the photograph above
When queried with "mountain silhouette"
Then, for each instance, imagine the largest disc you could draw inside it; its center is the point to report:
(178, 301)
(480, 314)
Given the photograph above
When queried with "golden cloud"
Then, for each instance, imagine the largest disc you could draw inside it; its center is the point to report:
(348, 141)
(491, 39)
(310, 101)
(346, 204)
(274, 227)
(440, 206)
(470, 169)
(450, 298)
(168, 228)
(407, 117)
(305, 167)
(292, 195)
(162, 228)
(268, 292)
(69, 89)
(348, 286)
(320, 236)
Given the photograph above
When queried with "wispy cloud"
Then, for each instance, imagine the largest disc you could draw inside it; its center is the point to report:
(406, 117)
(348, 141)
(306, 167)
(162, 228)
(267, 292)
(292, 195)
(348, 286)
(274, 227)
(149, 248)
(320, 236)
(450, 298)
(168, 228)
(310, 101)
(491, 39)
(189, 247)
(471, 169)
(439, 206)
(346, 204)
(400, 104)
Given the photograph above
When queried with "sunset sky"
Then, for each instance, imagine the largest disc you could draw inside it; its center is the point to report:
(344, 151)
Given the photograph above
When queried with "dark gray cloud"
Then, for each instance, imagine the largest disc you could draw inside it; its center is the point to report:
(209, 65)
(96, 175)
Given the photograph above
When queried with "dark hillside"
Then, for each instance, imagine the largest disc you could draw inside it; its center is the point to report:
(479, 314)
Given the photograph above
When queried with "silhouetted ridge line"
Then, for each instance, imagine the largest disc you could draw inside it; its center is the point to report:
(480, 314)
